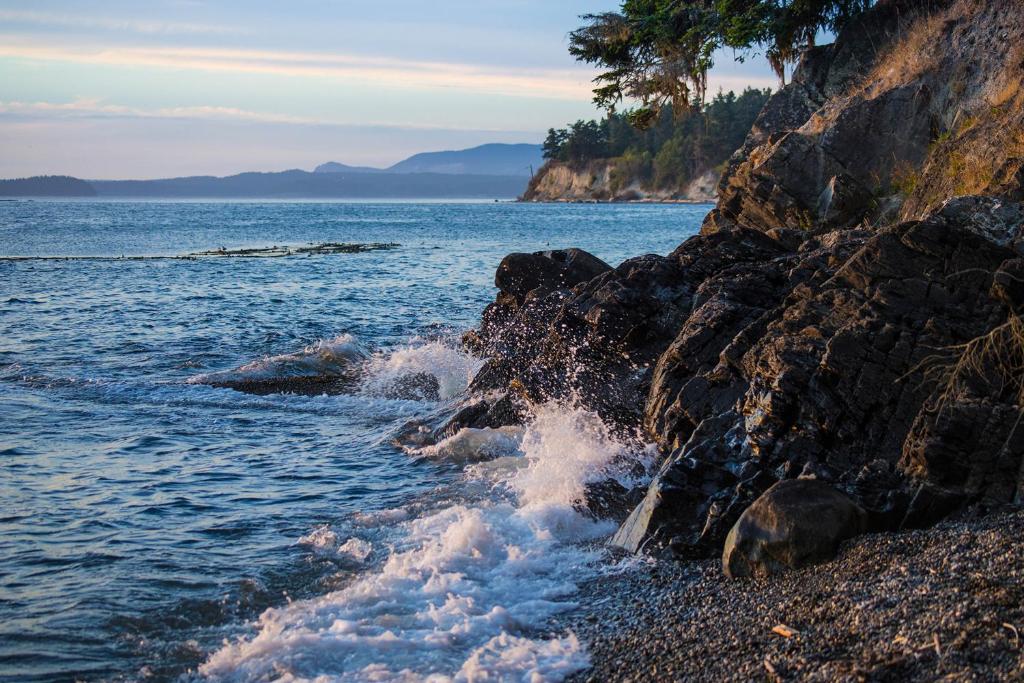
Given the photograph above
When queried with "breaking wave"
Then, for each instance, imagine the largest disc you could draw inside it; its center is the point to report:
(466, 588)
(476, 444)
(452, 367)
(421, 371)
(324, 542)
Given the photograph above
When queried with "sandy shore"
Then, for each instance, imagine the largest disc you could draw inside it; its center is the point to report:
(942, 604)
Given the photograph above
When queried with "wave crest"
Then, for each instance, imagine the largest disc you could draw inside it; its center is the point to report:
(465, 587)
(336, 358)
(452, 367)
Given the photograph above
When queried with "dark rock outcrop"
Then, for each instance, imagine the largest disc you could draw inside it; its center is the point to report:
(755, 363)
(840, 375)
(810, 330)
(520, 274)
(795, 523)
(597, 343)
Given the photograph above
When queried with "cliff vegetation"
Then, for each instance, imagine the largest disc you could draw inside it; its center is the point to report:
(678, 154)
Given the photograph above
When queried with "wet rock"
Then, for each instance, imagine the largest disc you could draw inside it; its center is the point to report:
(609, 499)
(483, 414)
(520, 274)
(697, 495)
(678, 498)
(598, 343)
(793, 524)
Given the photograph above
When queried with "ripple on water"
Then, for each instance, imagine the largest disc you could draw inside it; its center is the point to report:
(146, 519)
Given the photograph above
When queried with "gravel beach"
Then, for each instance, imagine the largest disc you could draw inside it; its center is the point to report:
(941, 604)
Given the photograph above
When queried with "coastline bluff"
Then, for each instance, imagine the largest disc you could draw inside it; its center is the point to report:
(848, 314)
(596, 181)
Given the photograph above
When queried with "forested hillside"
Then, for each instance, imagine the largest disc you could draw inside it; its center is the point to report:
(613, 158)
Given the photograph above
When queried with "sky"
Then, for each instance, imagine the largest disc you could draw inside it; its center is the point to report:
(163, 88)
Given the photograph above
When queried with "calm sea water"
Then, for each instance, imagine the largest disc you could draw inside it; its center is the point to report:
(154, 528)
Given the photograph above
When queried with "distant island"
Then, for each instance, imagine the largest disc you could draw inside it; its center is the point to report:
(497, 171)
(46, 186)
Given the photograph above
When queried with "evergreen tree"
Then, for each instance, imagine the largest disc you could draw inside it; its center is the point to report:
(658, 52)
(671, 150)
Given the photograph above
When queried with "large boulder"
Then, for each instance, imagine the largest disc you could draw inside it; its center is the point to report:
(795, 523)
(520, 274)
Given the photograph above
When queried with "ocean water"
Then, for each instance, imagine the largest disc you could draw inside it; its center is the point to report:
(156, 528)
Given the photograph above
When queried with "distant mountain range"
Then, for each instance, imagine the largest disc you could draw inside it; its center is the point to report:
(493, 159)
(490, 171)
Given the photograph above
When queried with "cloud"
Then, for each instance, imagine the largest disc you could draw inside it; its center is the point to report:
(377, 71)
(110, 24)
(89, 107)
(95, 108)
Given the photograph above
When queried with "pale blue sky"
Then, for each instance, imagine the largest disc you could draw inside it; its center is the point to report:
(155, 88)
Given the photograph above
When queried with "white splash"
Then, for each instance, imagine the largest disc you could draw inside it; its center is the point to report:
(568, 448)
(321, 538)
(324, 541)
(464, 587)
(381, 517)
(356, 549)
(451, 365)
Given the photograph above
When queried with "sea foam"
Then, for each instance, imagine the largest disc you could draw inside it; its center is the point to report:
(465, 588)
(452, 366)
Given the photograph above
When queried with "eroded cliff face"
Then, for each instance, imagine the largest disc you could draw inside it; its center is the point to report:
(916, 103)
(823, 324)
(597, 181)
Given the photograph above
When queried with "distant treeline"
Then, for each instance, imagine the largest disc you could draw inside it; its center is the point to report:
(46, 186)
(672, 150)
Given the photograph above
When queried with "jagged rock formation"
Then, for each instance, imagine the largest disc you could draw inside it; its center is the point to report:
(596, 181)
(821, 326)
(913, 104)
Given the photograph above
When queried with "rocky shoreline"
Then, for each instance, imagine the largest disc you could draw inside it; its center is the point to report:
(839, 354)
(874, 346)
(592, 183)
(834, 365)
(945, 603)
